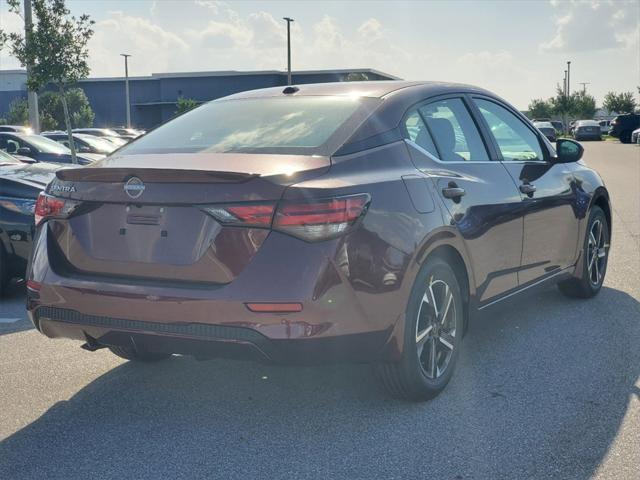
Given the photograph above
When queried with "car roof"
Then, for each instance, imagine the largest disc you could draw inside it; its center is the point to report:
(375, 89)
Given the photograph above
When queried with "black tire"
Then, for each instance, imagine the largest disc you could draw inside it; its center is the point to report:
(137, 354)
(585, 286)
(4, 274)
(625, 136)
(409, 378)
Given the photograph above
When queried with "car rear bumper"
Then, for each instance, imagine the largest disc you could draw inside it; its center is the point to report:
(215, 321)
(206, 341)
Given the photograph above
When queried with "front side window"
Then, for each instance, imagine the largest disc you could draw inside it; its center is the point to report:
(516, 141)
(454, 132)
(295, 125)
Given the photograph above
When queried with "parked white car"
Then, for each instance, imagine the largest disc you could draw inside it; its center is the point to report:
(635, 136)
(604, 126)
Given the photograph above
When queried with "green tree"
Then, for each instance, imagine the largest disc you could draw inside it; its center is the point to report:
(562, 104)
(78, 104)
(622, 102)
(584, 105)
(18, 113)
(54, 48)
(539, 108)
(183, 105)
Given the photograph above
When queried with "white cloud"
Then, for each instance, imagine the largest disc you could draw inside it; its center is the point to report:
(154, 49)
(590, 25)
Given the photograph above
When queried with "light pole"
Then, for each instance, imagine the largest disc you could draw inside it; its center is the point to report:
(584, 86)
(32, 97)
(568, 78)
(288, 20)
(126, 86)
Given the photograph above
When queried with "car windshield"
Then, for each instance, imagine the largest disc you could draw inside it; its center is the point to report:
(543, 125)
(588, 123)
(5, 158)
(292, 125)
(45, 145)
(98, 143)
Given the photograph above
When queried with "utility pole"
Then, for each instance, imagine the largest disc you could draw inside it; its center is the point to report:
(568, 78)
(564, 84)
(126, 86)
(288, 20)
(584, 86)
(32, 97)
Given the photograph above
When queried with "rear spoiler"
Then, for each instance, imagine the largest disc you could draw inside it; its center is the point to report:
(151, 175)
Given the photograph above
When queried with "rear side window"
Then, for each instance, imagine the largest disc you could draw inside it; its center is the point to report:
(417, 132)
(292, 125)
(454, 132)
(516, 141)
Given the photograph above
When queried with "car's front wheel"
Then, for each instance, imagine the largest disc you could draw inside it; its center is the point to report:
(433, 335)
(594, 260)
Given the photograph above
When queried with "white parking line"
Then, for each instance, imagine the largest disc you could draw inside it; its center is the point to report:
(9, 320)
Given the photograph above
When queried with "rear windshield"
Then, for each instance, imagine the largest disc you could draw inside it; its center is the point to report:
(290, 125)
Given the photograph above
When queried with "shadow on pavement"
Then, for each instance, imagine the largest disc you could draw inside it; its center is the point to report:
(541, 392)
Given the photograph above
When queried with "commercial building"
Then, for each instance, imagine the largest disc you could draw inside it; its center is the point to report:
(154, 97)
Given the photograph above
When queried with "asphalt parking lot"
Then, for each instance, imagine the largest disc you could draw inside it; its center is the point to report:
(546, 388)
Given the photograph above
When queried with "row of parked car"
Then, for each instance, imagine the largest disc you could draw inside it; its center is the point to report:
(91, 143)
(28, 162)
(625, 127)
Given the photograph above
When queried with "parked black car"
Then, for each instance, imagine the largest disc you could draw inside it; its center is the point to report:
(547, 129)
(41, 149)
(558, 125)
(623, 125)
(20, 185)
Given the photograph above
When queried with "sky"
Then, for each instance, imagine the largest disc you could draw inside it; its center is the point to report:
(517, 49)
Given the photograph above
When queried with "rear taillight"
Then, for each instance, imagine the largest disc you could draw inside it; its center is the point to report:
(48, 207)
(310, 220)
(249, 215)
(319, 219)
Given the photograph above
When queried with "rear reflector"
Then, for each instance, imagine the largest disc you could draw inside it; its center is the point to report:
(33, 285)
(274, 307)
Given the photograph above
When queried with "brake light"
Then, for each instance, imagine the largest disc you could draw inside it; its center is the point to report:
(310, 220)
(250, 215)
(48, 206)
(320, 219)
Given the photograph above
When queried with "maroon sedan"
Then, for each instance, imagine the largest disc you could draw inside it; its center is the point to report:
(353, 221)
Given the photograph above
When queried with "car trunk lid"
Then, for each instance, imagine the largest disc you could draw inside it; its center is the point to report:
(143, 218)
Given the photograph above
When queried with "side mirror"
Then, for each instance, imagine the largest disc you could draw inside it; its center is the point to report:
(24, 151)
(568, 151)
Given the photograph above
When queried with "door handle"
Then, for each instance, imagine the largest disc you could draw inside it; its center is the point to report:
(453, 192)
(528, 189)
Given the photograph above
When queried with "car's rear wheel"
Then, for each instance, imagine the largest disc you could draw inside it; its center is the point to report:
(4, 273)
(595, 259)
(625, 136)
(433, 335)
(136, 353)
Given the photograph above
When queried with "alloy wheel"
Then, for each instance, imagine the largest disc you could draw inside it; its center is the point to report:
(596, 252)
(436, 328)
